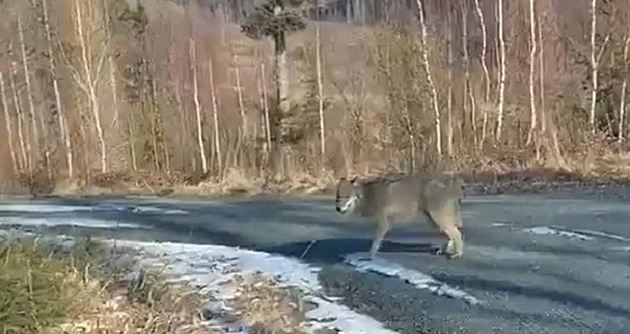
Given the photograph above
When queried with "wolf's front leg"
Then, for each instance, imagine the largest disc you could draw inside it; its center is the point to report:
(382, 227)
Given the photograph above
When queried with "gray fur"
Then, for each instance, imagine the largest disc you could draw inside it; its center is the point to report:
(434, 196)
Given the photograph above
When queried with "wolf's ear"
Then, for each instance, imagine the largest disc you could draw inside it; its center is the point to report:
(353, 180)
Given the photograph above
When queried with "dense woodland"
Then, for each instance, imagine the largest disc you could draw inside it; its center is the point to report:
(279, 89)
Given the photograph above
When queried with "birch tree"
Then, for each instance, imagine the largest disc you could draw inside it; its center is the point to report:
(320, 95)
(91, 63)
(595, 59)
(8, 125)
(25, 146)
(468, 92)
(484, 65)
(427, 69)
(61, 115)
(215, 119)
(532, 66)
(501, 72)
(449, 97)
(624, 88)
(193, 68)
(29, 90)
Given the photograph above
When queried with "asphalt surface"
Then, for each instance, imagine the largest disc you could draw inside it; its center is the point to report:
(540, 263)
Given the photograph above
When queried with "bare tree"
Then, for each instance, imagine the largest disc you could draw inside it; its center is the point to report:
(91, 69)
(193, 68)
(427, 68)
(241, 108)
(320, 96)
(501, 71)
(29, 90)
(532, 66)
(61, 116)
(449, 97)
(595, 60)
(215, 119)
(25, 146)
(468, 92)
(484, 65)
(624, 85)
(265, 106)
(541, 69)
(131, 141)
(8, 124)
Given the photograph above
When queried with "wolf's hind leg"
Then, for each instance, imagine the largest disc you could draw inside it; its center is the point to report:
(455, 239)
(447, 222)
(382, 227)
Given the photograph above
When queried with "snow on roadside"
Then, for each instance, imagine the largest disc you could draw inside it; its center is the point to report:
(576, 234)
(61, 221)
(604, 235)
(42, 208)
(415, 278)
(213, 267)
(53, 208)
(156, 210)
(548, 230)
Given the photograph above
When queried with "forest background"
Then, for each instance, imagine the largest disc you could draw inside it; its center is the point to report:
(213, 96)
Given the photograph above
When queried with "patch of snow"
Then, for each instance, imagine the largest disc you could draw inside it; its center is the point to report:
(547, 230)
(53, 208)
(621, 248)
(416, 278)
(341, 317)
(62, 221)
(604, 235)
(43, 208)
(156, 210)
(213, 267)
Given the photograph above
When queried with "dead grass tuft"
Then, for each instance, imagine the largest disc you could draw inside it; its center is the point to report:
(268, 307)
(59, 289)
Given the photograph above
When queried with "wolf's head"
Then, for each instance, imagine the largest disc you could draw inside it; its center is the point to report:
(348, 196)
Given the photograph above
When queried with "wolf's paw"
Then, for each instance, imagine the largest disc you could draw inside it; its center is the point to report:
(454, 256)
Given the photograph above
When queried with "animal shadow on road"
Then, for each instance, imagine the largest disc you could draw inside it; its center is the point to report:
(332, 251)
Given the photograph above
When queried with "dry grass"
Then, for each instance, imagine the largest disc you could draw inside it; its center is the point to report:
(268, 307)
(46, 289)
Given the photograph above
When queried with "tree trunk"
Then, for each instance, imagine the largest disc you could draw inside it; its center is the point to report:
(594, 84)
(541, 69)
(215, 118)
(532, 65)
(193, 66)
(320, 98)
(427, 68)
(624, 85)
(468, 92)
(8, 124)
(266, 107)
(25, 146)
(29, 92)
(282, 88)
(241, 108)
(502, 72)
(90, 86)
(61, 116)
(486, 72)
(449, 98)
(131, 140)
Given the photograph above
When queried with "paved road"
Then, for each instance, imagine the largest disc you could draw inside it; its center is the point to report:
(538, 263)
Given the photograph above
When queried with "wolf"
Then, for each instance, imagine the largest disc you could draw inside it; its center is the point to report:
(436, 197)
